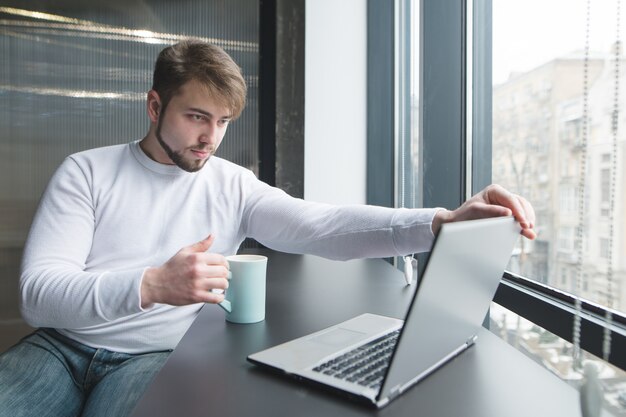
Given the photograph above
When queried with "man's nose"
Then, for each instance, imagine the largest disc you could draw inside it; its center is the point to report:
(209, 136)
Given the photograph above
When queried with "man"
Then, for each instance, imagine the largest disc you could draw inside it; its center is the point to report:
(129, 242)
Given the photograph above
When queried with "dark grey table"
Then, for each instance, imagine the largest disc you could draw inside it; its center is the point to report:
(208, 375)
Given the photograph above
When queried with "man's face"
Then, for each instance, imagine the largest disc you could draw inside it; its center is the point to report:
(192, 127)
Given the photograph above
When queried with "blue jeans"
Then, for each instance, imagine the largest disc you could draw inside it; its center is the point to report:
(48, 374)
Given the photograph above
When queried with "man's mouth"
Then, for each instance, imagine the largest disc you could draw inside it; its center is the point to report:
(202, 153)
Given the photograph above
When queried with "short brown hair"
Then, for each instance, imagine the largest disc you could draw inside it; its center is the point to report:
(194, 59)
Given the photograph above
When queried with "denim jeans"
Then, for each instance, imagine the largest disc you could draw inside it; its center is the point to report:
(48, 374)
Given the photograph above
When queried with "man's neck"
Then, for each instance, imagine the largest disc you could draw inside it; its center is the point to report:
(150, 146)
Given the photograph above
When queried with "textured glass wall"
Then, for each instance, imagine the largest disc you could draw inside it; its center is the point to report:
(74, 75)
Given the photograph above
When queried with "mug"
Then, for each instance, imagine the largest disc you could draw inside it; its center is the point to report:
(245, 297)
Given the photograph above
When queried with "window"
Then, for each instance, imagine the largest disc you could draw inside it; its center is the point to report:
(524, 62)
(604, 248)
(581, 246)
(553, 352)
(511, 112)
(605, 185)
(568, 202)
(566, 239)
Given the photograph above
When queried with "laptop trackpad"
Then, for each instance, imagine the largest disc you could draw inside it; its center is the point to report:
(338, 337)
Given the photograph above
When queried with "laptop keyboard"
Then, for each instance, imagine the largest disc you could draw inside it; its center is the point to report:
(364, 365)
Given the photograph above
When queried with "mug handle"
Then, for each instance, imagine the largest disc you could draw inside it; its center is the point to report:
(226, 306)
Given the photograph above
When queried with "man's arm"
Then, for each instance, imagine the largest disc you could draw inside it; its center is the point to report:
(345, 232)
(55, 288)
(293, 225)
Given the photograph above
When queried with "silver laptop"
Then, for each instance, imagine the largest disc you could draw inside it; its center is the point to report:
(376, 358)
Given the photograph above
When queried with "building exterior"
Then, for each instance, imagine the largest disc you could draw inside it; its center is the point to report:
(538, 146)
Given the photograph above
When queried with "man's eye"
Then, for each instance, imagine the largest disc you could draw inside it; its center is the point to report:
(197, 117)
(224, 122)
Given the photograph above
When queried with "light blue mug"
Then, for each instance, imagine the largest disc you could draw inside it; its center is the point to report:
(245, 297)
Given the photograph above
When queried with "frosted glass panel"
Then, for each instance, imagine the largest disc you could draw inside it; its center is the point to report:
(74, 76)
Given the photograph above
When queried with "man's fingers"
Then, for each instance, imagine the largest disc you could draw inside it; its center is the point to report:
(207, 265)
(521, 209)
(215, 284)
(209, 297)
(215, 259)
(519, 212)
(496, 194)
(212, 290)
(530, 212)
(208, 290)
(201, 271)
(529, 233)
(203, 245)
(482, 210)
(200, 255)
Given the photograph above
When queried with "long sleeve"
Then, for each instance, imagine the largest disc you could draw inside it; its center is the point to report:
(110, 213)
(56, 289)
(335, 232)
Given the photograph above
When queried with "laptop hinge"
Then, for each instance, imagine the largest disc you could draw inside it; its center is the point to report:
(395, 391)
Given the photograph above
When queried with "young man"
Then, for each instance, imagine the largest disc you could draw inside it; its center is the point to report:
(129, 242)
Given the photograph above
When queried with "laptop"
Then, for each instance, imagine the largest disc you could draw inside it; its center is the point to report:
(375, 358)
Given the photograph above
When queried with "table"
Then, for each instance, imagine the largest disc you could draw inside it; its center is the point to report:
(208, 375)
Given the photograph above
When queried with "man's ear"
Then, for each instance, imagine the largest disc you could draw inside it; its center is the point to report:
(153, 103)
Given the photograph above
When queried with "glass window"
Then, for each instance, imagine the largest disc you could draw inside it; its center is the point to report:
(605, 185)
(555, 354)
(408, 94)
(539, 132)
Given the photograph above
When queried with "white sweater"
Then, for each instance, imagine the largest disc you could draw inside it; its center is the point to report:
(109, 213)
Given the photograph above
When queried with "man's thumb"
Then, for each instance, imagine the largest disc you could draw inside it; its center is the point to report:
(203, 245)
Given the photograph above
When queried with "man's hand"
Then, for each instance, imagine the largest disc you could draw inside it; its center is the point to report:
(187, 278)
(493, 201)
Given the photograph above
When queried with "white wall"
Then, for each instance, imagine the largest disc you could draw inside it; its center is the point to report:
(335, 101)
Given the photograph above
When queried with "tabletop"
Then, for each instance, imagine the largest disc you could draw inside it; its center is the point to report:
(208, 375)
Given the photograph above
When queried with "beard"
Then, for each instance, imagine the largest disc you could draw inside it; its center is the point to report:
(187, 164)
